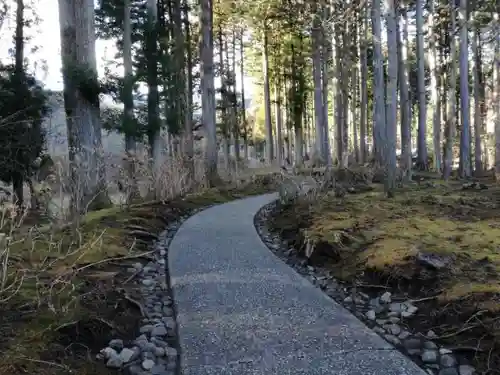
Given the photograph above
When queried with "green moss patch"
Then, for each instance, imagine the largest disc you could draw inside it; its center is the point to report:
(434, 241)
(71, 288)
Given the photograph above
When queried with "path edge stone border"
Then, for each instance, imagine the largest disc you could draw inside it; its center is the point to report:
(138, 356)
(419, 347)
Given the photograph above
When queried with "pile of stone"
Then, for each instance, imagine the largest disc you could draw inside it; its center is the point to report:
(382, 313)
(155, 350)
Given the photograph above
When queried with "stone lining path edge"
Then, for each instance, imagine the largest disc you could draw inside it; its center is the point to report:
(242, 311)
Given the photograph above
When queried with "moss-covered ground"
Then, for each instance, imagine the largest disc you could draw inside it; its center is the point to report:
(435, 241)
(71, 289)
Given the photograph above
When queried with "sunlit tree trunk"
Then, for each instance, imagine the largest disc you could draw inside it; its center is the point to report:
(267, 100)
(465, 164)
(435, 84)
(406, 157)
(451, 102)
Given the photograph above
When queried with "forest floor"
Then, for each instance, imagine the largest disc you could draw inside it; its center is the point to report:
(72, 290)
(435, 242)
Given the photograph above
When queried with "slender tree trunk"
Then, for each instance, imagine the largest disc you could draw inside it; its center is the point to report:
(128, 106)
(452, 84)
(406, 157)
(435, 84)
(465, 165)
(19, 177)
(243, 109)
(422, 162)
(339, 125)
(234, 101)
(477, 101)
(496, 85)
(224, 99)
(182, 53)
(378, 84)
(279, 125)
(208, 92)
(267, 101)
(326, 52)
(363, 42)
(318, 88)
(354, 91)
(154, 124)
(392, 98)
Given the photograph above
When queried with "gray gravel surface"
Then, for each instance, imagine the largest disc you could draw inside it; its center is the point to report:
(241, 310)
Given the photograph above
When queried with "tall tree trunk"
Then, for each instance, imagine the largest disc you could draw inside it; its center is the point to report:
(19, 177)
(496, 85)
(392, 99)
(378, 84)
(88, 177)
(326, 52)
(354, 91)
(224, 100)
(406, 157)
(279, 125)
(208, 92)
(318, 87)
(267, 100)
(128, 105)
(465, 141)
(154, 125)
(243, 108)
(363, 63)
(234, 101)
(435, 86)
(478, 128)
(184, 63)
(452, 84)
(422, 162)
(339, 125)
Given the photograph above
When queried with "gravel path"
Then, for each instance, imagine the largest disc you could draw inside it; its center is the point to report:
(241, 310)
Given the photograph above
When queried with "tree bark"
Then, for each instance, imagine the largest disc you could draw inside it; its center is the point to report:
(452, 84)
(208, 93)
(128, 106)
(363, 44)
(267, 100)
(392, 99)
(318, 87)
(465, 141)
(378, 84)
(422, 162)
(406, 157)
(81, 101)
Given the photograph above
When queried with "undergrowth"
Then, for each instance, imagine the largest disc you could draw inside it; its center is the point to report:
(68, 291)
(435, 241)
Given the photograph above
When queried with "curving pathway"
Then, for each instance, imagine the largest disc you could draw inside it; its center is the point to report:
(242, 311)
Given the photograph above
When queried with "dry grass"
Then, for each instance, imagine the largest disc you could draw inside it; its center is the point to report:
(65, 289)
